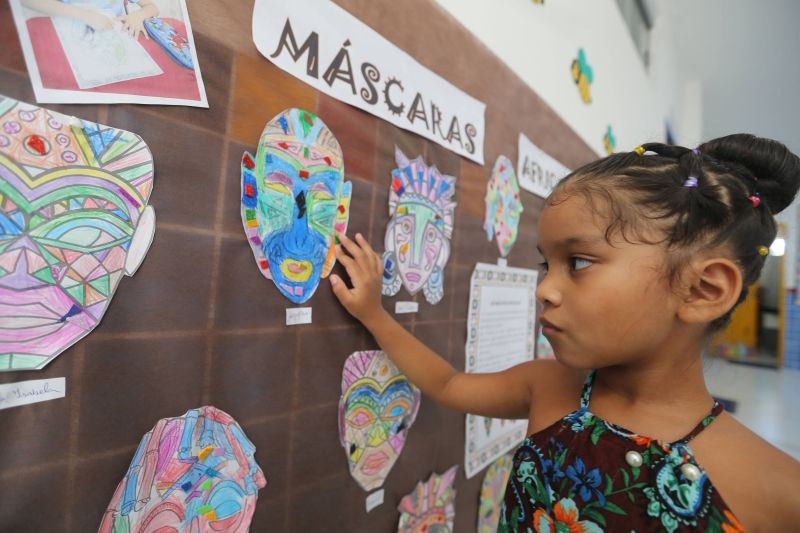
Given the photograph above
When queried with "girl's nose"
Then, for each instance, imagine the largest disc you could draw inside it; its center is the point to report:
(547, 292)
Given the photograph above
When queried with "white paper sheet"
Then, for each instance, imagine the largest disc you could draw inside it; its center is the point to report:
(89, 74)
(500, 333)
(537, 172)
(328, 48)
(406, 307)
(100, 57)
(33, 391)
(373, 500)
(298, 315)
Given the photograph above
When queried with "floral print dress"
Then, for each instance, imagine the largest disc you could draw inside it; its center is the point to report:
(583, 474)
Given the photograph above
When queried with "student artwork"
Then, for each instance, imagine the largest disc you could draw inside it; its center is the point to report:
(195, 473)
(492, 490)
(100, 57)
(417, 241)
(175, 44)
(431, 507)
(582, 76)
(71, 60)
(377, 408)
(503, 205)
(501, 333)
(74, 220)
(293, 199)
(609, 141)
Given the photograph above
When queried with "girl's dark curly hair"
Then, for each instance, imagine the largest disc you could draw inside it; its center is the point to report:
(740, 182)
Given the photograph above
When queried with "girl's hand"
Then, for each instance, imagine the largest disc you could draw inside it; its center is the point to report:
(97, 21)
(133, 23)
(365, 269)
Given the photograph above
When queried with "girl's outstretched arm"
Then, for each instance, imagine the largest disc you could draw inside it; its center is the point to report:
(504, 394)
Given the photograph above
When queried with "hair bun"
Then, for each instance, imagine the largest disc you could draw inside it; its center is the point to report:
(775, 167)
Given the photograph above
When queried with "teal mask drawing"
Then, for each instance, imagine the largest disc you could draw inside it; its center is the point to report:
(294, 198)
(417, 240)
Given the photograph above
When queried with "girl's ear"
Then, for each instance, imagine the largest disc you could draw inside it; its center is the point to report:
(714, 285)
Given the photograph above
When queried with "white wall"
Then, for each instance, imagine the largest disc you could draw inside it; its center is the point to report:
(539, 42)
(744, 57)
(716, 67)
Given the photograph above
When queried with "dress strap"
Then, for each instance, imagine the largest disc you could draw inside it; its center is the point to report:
(587, 389)
(716, 410)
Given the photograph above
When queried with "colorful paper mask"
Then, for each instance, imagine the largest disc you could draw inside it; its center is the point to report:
(192, 473)
(293, 198)
(73, 220)
(583, 76)
(492, 490)
(503, 205)
(609, 141)
(418, 234)
(431, 507)
(377, 408)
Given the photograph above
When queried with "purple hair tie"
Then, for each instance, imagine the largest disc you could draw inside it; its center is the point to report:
(696, 151)
(691, 182)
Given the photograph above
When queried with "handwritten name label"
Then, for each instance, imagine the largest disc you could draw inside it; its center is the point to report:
(406, 307)
(298, 315)
(36, 390)
(375, 499)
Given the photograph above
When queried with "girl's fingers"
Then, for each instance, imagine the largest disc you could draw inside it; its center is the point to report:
(370, 254)
(340, 289)
(378, 266)
(350, 265)
(351, 247)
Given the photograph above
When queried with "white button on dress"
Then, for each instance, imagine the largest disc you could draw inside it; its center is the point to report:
(634, 459)
(690, 472)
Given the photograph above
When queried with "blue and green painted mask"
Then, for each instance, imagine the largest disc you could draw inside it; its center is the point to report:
(294, 198)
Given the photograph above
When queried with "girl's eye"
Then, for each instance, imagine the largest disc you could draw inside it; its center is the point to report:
(579, 263)
(543, 267)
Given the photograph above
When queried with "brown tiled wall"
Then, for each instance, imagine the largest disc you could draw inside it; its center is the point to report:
(198, 324)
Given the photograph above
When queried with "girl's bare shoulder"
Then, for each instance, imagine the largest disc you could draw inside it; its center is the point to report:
(555, 391)
(757, 480)
(549, 377)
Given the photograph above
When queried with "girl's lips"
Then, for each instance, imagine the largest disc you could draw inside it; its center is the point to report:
(548, 328)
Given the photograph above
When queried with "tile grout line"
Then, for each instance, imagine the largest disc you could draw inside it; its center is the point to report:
(78, 356)
(245, 331)
(290, 429)
(217, 251)
(154, 113)
(27, 469)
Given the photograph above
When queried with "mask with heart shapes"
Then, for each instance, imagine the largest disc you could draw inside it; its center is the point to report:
(74, 220)
(293, 199)
(503, 205)
(376, 410)
(430, 508)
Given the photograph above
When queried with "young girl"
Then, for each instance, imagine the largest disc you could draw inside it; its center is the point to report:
(645, 256)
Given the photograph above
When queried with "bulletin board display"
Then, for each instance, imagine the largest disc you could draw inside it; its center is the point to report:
(199, 325)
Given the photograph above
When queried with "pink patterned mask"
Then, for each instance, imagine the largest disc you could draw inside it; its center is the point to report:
(73, 221)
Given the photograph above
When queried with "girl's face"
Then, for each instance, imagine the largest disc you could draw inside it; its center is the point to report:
(602, 303)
